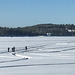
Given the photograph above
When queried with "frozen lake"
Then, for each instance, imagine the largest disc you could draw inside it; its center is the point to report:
(46, 55)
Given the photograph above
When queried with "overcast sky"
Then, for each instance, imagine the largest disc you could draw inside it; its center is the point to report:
(20, 13)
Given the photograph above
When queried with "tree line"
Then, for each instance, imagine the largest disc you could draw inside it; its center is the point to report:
(40, 30)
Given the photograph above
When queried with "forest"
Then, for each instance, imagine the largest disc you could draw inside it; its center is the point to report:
(40, 30)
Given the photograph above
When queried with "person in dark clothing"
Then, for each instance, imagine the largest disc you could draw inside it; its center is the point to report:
(8, 49)
(13, 49)
(25, 47)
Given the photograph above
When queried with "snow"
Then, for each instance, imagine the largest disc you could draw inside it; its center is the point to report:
(45, 55)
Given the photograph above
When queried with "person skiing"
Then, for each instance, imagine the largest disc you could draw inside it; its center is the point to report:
(25, 47)
(8, 49)
(13, 49)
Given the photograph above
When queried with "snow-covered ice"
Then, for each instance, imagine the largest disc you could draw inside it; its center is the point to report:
(45, 55)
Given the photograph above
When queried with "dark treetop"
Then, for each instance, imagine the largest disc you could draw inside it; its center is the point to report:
(40, 30)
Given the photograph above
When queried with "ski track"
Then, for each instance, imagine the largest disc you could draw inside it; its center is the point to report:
(13, 60)
(50, 64)
(38, 49)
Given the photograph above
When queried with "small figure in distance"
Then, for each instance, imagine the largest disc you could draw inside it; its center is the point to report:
(8, 49)
(25, 47)
(13, 49)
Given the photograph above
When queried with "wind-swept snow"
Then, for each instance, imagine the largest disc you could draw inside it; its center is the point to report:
(45, 55)
(21, 56)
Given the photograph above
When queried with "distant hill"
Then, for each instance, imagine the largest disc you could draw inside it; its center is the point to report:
(40, 30)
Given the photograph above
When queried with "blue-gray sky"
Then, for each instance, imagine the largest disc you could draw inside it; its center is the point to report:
(20, 13)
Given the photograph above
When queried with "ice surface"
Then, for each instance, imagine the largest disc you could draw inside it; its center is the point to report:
(46, 55)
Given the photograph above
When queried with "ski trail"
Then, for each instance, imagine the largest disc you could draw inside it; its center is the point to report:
(50, 64)
(13, 60)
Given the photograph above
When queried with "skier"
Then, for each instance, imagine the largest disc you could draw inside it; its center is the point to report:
(25, 47)
(13, 49)
(8, 49)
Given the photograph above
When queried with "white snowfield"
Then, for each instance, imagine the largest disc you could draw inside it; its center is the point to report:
(21, 56)
(44, 56)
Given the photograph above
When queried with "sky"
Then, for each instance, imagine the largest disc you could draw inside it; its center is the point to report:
(21, 13)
